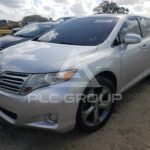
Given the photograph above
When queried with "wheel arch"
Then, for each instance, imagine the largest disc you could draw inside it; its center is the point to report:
(110, 76)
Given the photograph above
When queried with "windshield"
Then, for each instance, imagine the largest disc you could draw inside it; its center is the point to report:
(33, 31)
(88, 31)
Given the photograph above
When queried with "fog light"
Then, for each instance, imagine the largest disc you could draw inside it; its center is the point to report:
(51, 118)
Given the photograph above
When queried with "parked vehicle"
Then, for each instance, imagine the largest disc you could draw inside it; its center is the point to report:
(3, 28)
(8, 25)
(27, 33)
(64, 19)
(60, 20)
(69, 76)
(14, 30)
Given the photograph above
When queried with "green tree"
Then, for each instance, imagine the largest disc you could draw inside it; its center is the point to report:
(34, 18)
(110, 8)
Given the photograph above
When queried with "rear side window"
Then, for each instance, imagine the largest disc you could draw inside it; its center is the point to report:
(131, 26)
(145, 26)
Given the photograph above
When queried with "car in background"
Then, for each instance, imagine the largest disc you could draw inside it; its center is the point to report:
(14, 30)
(4, 29)
(64, 19)
(60, 20)
(27, 33)
(8, 25)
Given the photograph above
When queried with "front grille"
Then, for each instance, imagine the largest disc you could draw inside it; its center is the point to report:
(12, 82)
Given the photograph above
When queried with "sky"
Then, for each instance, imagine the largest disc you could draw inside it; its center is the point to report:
(17, 9)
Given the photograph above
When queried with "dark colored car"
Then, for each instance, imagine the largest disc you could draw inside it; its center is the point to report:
(28, 33)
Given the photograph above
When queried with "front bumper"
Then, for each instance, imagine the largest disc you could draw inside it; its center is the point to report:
(30, 110)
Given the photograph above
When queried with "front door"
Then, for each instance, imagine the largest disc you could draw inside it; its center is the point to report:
(132, 57)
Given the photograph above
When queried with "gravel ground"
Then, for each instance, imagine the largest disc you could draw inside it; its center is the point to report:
(128, 129)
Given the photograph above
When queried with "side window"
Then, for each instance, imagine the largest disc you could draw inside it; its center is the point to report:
(145, 26)
(131, 26)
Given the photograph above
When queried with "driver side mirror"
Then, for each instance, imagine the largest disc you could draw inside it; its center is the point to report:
(132, 39)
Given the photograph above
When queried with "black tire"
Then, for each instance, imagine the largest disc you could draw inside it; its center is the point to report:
(79, 119)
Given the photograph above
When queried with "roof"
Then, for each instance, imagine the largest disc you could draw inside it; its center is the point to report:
(116, 15)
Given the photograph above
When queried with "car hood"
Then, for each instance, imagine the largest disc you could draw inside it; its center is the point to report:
(11, 40)
(39, 57)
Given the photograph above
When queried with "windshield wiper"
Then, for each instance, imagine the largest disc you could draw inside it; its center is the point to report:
(40, 40)
(23, 36)
(19, 35)
(67, 43)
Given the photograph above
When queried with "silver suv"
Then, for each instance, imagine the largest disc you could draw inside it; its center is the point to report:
(70, 76)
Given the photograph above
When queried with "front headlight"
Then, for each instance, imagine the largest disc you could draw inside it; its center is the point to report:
(42, 80)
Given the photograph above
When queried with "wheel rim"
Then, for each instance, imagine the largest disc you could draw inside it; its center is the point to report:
(95, 112)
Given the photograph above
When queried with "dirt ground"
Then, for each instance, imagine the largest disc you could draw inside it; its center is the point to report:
(128, 129)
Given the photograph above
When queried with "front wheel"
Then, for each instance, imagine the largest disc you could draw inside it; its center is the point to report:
(96, 109)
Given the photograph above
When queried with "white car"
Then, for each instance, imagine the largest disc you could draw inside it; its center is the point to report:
(71, 75)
